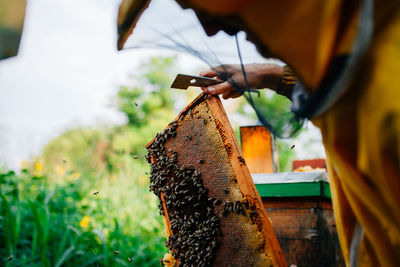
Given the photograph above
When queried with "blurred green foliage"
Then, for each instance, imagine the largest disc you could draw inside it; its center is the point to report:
(44, 223)
(151, 92)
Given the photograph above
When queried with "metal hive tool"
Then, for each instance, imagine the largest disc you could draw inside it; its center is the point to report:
(211, 208)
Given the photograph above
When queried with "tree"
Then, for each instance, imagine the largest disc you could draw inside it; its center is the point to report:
(151, 93)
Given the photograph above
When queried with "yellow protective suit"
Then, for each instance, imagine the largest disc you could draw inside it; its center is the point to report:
(361, 131)
(361, 134)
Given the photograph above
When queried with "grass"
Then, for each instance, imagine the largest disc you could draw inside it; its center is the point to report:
(41, 221)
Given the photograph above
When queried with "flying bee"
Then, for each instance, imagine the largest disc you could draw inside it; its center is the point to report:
(116, 252)
(9, 258)
(95, 193)
(292, 146)
(136, 104)
(130, 259)
(136, 157)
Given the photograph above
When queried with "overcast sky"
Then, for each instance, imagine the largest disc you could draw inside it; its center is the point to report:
(68, 67)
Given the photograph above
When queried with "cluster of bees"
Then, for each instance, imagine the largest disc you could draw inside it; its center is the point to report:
(236, 206)
(193, 222)
(184, 200)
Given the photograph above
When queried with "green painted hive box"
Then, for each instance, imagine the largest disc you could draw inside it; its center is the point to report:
(300, 209)
(292, 184)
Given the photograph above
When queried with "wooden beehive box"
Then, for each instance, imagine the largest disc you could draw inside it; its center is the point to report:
(211, 207)
(259, 149)
(298, 203)
(300, 208)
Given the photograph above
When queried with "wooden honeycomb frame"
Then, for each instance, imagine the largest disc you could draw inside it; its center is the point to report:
(203, 130)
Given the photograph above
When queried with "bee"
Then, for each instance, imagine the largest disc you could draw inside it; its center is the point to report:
(226, 191)
(172, 123)
(95, 193)
(204, 121)
(64, 161)
(9, 258)
(136, 104)
(136, 157)
(130, 259)
(241, 160)
(116, 252)
(217, 202)
(201, 161)
(292, 146)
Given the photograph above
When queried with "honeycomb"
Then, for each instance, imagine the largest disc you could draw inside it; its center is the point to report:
(211, 208)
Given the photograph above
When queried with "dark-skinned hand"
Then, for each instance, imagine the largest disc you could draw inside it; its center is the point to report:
(259, 76)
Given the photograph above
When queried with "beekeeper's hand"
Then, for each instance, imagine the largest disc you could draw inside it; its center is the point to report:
(259, 76)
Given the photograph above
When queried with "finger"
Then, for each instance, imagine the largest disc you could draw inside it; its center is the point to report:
(236, 95)
(228, 94)
(208, 73)
(223, 71)
(214, 71)
(231, 94)
(219, 88)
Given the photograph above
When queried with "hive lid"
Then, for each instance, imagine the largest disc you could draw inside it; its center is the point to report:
(293, 184)
(290, 177)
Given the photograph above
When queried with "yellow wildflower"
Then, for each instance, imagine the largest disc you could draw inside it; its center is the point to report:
(76, 175)
(38, 166)
(60, 170)
(85, 221)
